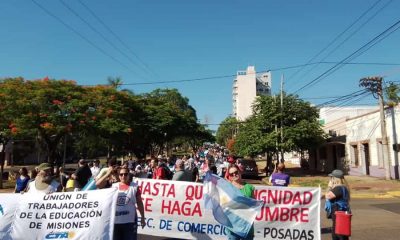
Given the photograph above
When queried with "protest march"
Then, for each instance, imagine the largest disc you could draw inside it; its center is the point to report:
(174, 209)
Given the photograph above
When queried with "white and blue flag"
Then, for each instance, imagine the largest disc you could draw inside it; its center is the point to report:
(229, 206)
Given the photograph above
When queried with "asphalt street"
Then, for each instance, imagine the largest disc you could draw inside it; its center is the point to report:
(372, 219)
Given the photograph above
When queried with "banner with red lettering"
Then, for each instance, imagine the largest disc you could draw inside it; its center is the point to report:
(176, 209)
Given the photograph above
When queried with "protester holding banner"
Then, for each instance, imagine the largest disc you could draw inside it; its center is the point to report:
(22, 180)
(129, 196)
(338, 197)
(235, 177)
(44, 182)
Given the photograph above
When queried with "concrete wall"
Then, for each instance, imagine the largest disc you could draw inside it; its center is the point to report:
(363, 143)
(329, 114)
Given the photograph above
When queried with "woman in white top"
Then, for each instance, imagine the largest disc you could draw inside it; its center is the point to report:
(129, 197)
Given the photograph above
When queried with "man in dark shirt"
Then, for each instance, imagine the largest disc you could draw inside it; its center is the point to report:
(83, 174)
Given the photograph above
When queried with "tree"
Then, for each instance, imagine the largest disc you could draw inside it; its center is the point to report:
(392, 94)
(168, 115)
(226, 130)
(115, 82)
(297, 120)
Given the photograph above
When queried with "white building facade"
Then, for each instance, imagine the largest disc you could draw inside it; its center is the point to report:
(355, 144)
(329, 114)
(364, 143)
(246, 87)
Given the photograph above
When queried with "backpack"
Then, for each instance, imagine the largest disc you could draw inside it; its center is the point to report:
(342, 204)
(168, 173)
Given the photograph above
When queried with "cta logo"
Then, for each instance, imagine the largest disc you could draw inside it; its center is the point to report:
(123, 200)
(60, 235)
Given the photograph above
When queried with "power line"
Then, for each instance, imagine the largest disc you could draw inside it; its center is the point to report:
(344, 97)
(348, 37)
(96, 31)
(354, 55)
(336, 38)
(258, 72)
(347, 102)
(80, 35)
(116, 36)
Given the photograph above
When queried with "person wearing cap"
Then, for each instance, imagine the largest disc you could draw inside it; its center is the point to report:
(44, 182)
(180, 173)
(279, 178)
(337, 199)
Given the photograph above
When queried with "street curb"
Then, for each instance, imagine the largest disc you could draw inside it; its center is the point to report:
(371, 195)
(394, 193)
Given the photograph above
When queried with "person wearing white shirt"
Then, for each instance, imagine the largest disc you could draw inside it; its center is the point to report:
(96, 168)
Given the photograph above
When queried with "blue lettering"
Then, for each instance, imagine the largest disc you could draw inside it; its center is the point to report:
(179, 226)
(203, 228)
(57, 235)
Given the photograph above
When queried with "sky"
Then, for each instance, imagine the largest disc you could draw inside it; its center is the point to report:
(147, 41)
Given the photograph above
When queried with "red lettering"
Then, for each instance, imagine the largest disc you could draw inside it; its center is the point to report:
(156, 189)
(294, 212)
(146, 189)
(177, 208)
(197, 210)
(296, 198)
(274, 216)
(307, 197)
(287, 197)
(171, 192)
(165, 206)
(147, 204)
(304, 215)
(273, 197)
(283, 214)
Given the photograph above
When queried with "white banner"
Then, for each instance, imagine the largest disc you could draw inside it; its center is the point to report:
(176, 209)
(8, 204)
(172, 209)
(74, 215)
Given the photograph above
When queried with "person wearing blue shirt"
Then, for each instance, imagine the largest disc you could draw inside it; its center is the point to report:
(22, 180)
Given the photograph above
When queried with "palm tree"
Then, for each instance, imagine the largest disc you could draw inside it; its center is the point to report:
(115, 82)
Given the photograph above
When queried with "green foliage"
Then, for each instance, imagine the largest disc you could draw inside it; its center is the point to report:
(261, 132)
(226, 130)
(95, 119)
(392, 94)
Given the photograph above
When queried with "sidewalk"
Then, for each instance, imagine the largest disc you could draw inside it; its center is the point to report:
(360, 186)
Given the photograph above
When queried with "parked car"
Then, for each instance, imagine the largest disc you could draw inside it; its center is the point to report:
(248, 167)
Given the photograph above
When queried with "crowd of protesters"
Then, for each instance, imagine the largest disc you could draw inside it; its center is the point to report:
(191, 168)
(121, 174)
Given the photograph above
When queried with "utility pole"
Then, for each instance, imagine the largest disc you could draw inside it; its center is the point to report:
(282, 79)
(374, 85)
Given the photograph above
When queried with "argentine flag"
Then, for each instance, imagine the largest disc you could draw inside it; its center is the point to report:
(230, 208)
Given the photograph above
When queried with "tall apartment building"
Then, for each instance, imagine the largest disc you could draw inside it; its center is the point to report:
(246, 87)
